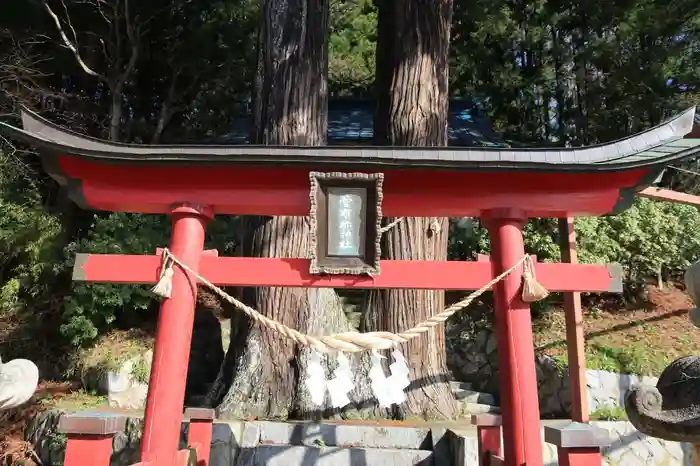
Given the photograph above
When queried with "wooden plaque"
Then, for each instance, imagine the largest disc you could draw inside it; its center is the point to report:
(346, 218)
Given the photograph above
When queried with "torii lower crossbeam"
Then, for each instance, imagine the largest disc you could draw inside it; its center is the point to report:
(406, 274)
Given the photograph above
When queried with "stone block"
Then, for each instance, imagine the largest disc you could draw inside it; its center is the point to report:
(457, 386)
(471, 396)
(576, 435)
(288, 455)
(464, 448)
(251, 435)
(92, 423)
(223, 445)
(248, 443)
(478, 408)
(344, 435)
(441, 445)
(122, 389)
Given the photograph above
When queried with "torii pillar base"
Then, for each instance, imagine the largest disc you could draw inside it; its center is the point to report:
(516, 355)
(166, 389)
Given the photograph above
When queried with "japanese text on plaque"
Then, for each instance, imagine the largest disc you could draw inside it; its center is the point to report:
(345, 215)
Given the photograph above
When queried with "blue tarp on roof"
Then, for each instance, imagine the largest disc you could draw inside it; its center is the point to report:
(352, 120)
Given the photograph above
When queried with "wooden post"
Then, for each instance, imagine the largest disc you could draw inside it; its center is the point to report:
(90, 436)
(166, 389)
(200, 432)
(488, 428)
(577, 444)
(661, 194)
(575, 343)
(516, 354)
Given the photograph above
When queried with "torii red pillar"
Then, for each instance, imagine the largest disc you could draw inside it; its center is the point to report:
(166, 389)
(516, 355)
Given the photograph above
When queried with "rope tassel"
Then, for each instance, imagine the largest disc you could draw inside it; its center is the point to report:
(164, 287)
(532, 290)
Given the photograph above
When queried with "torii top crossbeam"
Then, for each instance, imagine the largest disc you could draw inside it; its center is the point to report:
(454, 181)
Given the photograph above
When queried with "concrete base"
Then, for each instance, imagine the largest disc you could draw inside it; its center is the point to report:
(281, 455)
(472, 401)
(344, 435)
(305, 444)
(445, 444)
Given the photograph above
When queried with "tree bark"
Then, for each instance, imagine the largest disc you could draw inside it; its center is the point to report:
(263, 374)
(412, 103)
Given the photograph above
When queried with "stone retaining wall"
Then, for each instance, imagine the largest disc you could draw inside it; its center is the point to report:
(632, 448)
(473, 358)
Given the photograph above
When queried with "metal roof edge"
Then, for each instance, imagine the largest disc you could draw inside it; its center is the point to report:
(41, 132)
(680, 124)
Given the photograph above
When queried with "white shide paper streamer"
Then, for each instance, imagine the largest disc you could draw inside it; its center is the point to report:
(316, 379)
(342, 383)
(387, 390)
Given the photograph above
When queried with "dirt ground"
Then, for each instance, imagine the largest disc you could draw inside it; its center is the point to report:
(642, 338)
(13, 449)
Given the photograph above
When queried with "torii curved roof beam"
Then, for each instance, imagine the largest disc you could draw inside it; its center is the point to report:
(661, 145)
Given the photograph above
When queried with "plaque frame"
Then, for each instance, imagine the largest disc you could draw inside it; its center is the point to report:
(321, 262)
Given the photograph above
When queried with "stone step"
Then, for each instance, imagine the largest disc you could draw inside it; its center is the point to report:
(344, 435)
(471, 396)
(457, 386)
(478, 408)
(289, 455)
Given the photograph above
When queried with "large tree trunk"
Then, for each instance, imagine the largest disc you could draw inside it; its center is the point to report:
(263, 374)
(412, 101)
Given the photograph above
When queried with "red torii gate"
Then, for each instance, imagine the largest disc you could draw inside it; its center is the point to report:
(504, 187)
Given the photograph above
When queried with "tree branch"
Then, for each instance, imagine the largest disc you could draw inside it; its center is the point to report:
(133, 39)
(73, 47)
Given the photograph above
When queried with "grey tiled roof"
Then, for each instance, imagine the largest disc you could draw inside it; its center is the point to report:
(662, 144)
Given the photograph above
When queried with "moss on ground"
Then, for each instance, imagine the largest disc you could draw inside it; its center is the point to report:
(111, 351)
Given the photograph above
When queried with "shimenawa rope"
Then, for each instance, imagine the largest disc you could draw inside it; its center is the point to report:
(353, 341)
(391, 225)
